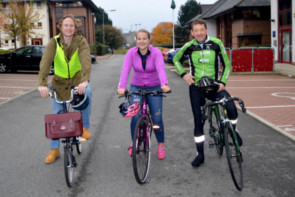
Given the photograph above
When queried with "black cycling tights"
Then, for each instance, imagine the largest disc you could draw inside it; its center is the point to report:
(198, 99)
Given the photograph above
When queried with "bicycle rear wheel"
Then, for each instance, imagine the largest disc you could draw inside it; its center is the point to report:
(68, 166)
(141, 150)
(215, 129)
(234, 156)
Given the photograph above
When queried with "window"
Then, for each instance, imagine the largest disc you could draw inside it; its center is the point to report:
(285, 12)
(39, 5)
(285, 4)
(6, 43)
(32, 25)
(39, 25)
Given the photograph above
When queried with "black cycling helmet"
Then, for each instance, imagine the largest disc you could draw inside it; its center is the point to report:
(208, 86)
(79, 102)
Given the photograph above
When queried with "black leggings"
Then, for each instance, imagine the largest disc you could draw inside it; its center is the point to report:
(198, 99)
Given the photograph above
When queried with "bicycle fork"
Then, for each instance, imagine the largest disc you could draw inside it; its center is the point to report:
(69, 148)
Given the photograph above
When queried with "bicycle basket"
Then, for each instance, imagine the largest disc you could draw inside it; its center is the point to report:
(63, 125)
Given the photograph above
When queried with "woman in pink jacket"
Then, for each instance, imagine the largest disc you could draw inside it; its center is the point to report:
(148, 74)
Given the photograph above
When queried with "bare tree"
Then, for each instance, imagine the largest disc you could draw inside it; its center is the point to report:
(20, 17)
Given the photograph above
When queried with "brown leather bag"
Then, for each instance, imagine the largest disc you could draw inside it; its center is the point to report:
(63, 125)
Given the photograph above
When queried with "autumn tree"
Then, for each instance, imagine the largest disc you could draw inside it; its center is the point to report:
(186, 13)
(20, 16)
(162, 33)
(2, 22)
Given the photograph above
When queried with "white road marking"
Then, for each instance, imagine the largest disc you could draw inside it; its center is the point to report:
(258, 87)
(271, 106)
(290, 95)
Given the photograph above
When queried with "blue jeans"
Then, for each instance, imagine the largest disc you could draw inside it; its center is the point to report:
(85, 114)
(155, 104)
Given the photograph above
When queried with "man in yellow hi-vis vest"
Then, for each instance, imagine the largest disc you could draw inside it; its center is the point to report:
(70, 53)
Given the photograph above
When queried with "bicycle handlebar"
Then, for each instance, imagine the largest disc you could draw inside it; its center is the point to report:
(52, 94)
(144, 93)
(225, 100)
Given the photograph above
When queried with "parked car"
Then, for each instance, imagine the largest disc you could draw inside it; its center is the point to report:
(170, 55)
(25, 58)
(93, 59)
(164, 53)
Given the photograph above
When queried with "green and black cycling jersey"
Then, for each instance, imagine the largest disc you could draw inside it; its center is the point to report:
(204, 61)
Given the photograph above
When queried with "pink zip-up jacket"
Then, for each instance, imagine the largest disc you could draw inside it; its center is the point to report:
(154, 73)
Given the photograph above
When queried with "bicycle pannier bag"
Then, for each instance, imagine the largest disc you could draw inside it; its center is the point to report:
(63, 125)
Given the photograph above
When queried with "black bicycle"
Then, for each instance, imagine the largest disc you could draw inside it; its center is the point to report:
(223, 134)
(69, 142)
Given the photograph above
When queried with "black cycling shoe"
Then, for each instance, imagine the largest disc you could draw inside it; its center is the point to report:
(198, 160)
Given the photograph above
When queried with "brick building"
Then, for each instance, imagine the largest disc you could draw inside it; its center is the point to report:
(51, 11)
(240, 23)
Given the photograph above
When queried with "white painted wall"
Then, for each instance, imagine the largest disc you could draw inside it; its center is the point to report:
(274, 27)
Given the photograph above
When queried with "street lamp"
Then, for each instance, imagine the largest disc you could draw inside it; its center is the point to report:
(136, 26)
(103, 24)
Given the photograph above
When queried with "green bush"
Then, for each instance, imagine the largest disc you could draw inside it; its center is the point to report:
(170, 46)
(5, 51)
(102, 49)
(93, 49)
(120, 51)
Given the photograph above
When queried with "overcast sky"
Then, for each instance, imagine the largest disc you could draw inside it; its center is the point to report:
(148, 13)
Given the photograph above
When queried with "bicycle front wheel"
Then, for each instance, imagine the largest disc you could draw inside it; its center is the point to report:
(141, 150)
(215, 129)
(234, 156)
(79, 145)
(68, 167)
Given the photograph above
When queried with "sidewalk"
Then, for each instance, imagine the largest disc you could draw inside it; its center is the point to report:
(285, 69)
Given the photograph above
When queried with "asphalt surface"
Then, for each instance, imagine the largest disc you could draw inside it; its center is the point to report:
(105, 168)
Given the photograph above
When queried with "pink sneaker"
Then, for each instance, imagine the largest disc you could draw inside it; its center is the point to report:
(161, 152)
(130, 149)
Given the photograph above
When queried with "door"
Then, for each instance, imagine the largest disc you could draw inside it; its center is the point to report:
(286, 46)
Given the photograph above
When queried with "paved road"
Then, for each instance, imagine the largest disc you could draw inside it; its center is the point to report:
(105, 168)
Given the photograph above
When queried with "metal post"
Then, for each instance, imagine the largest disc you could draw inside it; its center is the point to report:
(103, 40)
(103, 27)
(173, 28)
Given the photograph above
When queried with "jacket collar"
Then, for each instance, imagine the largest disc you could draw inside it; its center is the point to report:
(148, 52)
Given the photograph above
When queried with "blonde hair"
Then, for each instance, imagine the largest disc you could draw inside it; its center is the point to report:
(144, 31)
(68, 16)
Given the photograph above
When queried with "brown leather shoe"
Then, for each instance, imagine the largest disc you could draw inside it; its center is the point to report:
(86, 134)
(52, 156)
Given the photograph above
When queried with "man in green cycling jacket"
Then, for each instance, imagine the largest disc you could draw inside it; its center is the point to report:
(205, 55)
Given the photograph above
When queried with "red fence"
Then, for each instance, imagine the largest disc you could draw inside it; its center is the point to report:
(251, 59)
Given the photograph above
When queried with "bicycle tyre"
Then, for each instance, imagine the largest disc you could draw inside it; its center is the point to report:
(79, 146)
(68, 167)
(234, 157)
(215, 129)
(141, 150)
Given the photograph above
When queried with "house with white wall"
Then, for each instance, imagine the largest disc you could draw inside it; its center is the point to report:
(51, 11)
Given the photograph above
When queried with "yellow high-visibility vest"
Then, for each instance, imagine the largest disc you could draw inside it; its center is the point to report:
(62, 66)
